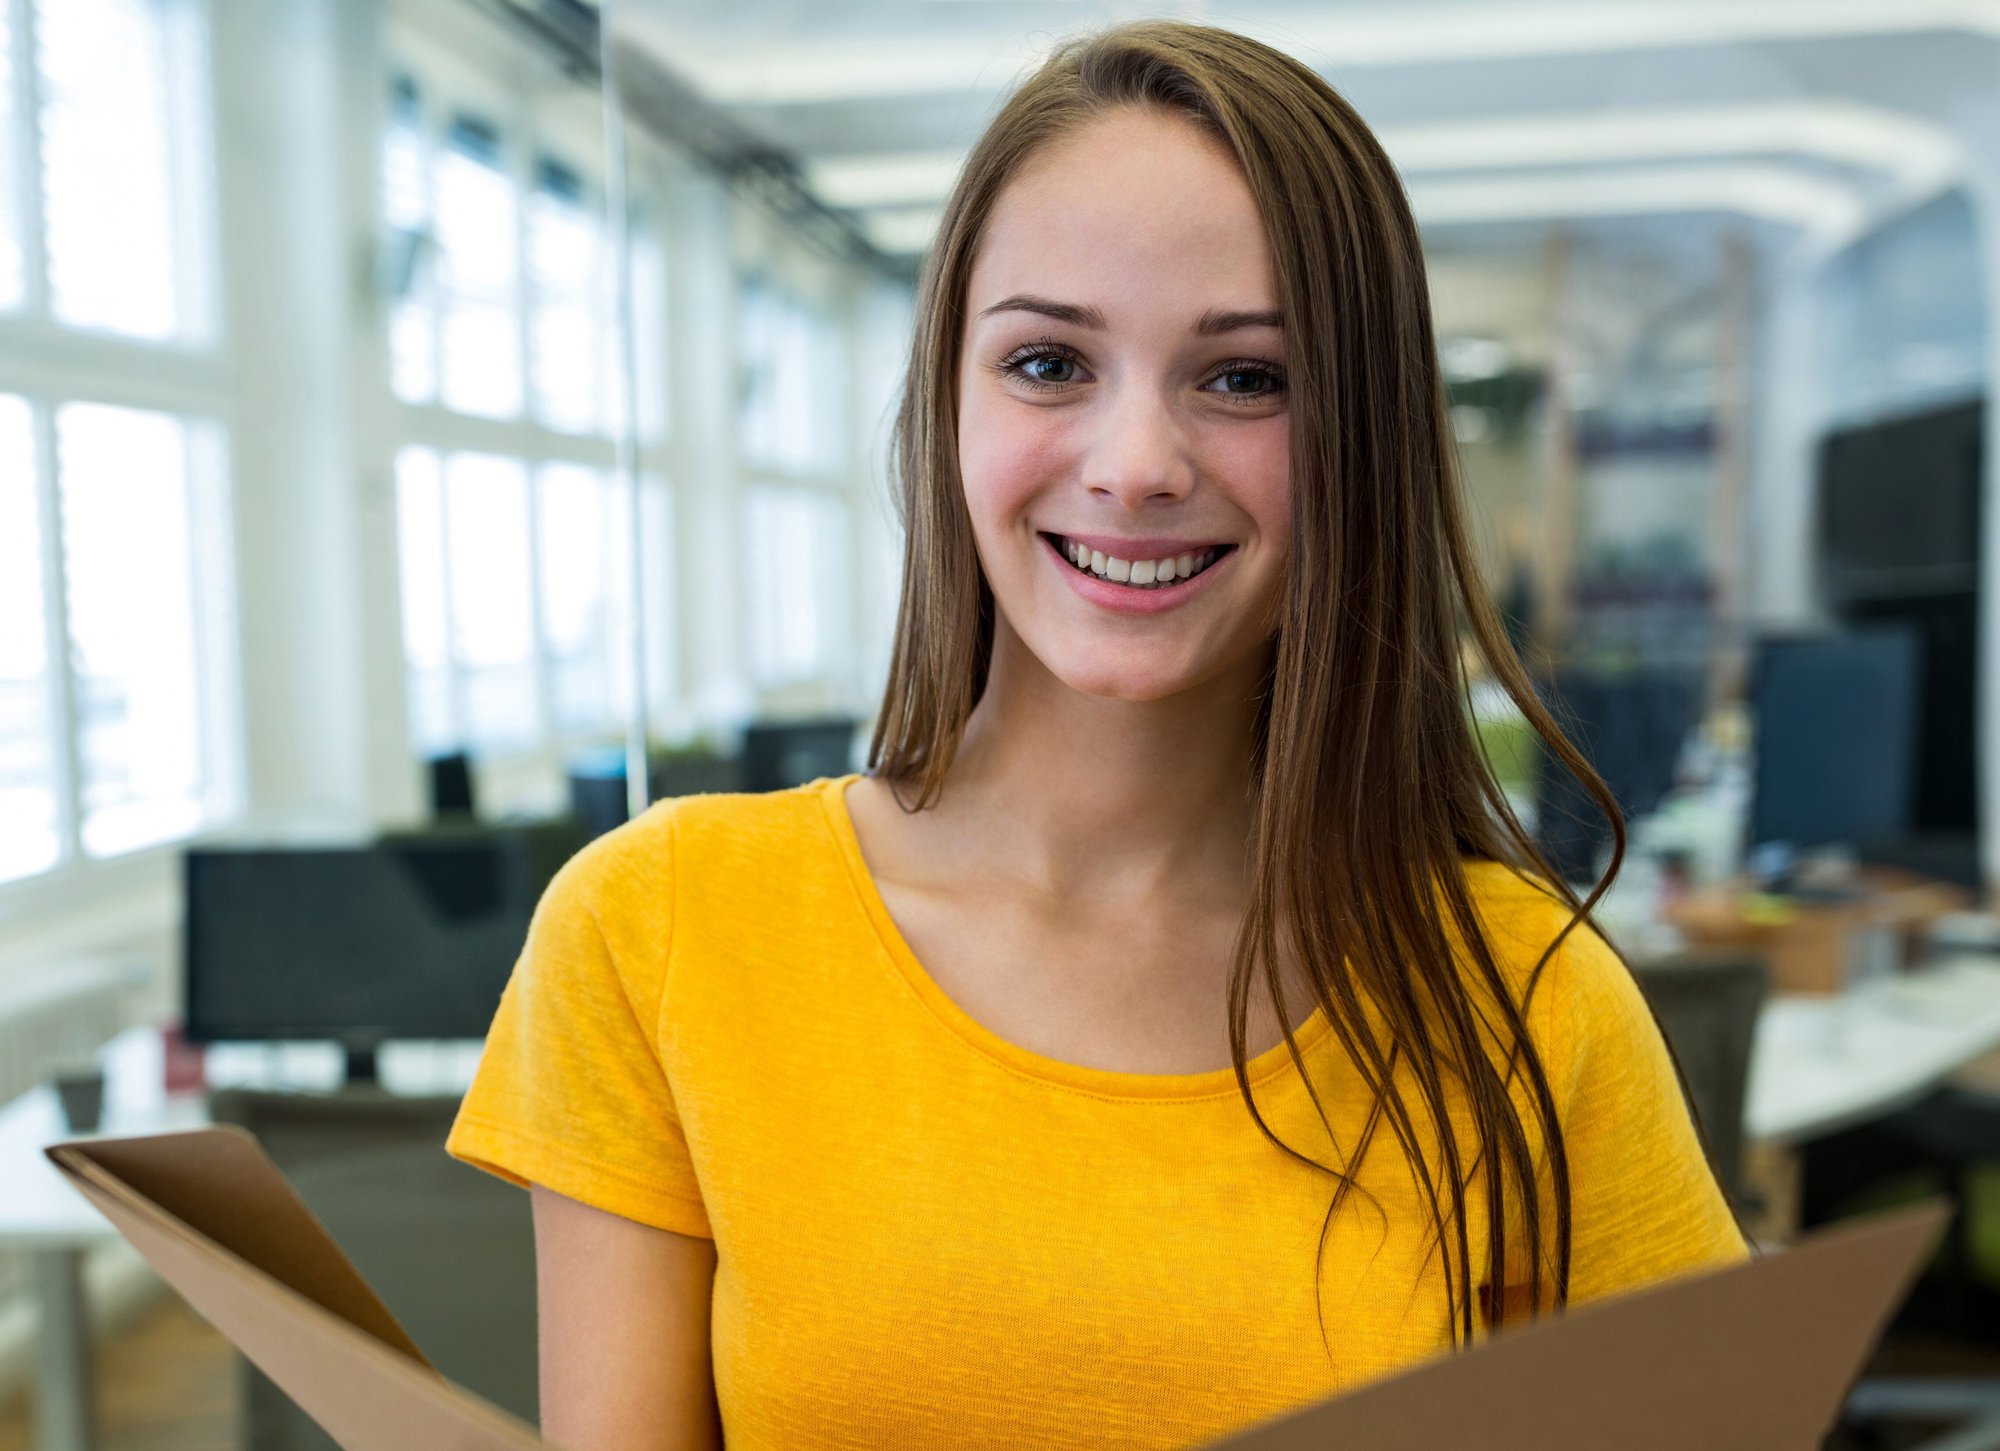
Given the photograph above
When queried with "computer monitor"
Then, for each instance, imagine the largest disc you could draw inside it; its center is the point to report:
(778, 754)
(452, 797)
(1630, 725)
(1835, 730)
(408, 937)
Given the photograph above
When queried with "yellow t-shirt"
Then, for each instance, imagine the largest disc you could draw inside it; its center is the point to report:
(927, 1235)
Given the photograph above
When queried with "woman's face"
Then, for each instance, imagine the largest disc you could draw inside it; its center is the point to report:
(1122, 393)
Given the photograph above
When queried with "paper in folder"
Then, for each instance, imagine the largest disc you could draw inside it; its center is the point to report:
(1757, 1357)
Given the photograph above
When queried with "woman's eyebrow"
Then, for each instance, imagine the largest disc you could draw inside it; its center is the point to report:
(1211, 323)
(1214, 321)
(1075, 313)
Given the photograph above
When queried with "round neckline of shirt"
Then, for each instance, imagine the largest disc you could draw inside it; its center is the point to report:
(1101, 1082)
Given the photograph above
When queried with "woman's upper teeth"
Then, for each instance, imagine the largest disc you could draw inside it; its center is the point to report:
(1143, 571)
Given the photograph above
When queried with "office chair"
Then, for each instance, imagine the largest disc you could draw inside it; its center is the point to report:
(450, 1250)
(1707, 1005)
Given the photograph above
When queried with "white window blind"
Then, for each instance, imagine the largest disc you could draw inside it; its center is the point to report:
(406, 220)
(797, 549)
(514, 546)
(30, 842)
(568, 319)
(793, 384)
(128, 536)
(113, 585)
(13, 266)
(478, 274)
(468, 618)
(492, 594)
(583, 581)
(426, 600)
(109, 165)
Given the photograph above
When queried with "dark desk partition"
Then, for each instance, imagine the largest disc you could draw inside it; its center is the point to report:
(406, 937)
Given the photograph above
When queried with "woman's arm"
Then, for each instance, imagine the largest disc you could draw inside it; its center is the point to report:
(623, 1313)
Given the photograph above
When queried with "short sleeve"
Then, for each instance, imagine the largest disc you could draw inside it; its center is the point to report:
(1645, 1205)
(571, 1092)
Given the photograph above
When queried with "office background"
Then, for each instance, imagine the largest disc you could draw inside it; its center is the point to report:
(317, 418)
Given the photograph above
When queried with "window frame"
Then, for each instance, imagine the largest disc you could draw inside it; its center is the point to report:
(50, 364)
(531, 104)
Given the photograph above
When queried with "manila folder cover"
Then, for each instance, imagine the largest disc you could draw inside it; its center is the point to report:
(1756, 1357)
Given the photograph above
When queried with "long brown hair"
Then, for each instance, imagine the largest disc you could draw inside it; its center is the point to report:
(1372, 789)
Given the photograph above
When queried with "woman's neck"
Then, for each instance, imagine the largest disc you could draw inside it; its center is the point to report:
(1076, 797)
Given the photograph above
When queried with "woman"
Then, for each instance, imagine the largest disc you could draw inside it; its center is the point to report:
(896, 1109)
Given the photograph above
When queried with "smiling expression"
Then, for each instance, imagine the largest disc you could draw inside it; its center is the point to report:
(1123, 403)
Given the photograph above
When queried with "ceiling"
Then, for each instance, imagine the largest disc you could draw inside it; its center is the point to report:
(1787, 121)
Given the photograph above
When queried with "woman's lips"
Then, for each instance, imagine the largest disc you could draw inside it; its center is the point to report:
(1126, 599)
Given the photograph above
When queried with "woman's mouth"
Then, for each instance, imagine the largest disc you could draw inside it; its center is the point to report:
(1143, 575)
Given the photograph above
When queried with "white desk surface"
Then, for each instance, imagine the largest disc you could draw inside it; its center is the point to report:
(1820, 1064)
(1825, 1063)
(39, 1210)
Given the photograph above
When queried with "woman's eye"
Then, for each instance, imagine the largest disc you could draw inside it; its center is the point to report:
(1248, 382)
(1041, 368)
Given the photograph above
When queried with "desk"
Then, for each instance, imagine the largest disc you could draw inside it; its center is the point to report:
(42, 1215)
(1826, 1063)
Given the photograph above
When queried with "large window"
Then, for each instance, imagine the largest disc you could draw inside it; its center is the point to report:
(797, 551)
(794, 387)
(793, 440)
(516, 590)
(112, 577)
(514, 550)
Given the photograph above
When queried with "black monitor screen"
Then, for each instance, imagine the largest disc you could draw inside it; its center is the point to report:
(780, 754)
(1836, 728)
(412, 938)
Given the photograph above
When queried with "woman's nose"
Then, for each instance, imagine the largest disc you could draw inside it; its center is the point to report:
(1138, 450)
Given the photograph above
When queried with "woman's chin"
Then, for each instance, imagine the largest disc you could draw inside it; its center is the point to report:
(1126, 680)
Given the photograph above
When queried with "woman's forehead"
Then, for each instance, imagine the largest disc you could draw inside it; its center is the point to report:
(1135, 209)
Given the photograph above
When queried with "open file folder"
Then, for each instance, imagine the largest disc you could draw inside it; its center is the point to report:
(1757, 1357)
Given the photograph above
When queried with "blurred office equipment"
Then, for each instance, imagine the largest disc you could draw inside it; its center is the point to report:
(405, 937)
(450, 1250)
(1630, 725)
(1900, 523)
(1866, 930)
(1836, 726)
(1708, 1006)
(452, 797)
(597, 796)
(778, 754)
(1835, 731)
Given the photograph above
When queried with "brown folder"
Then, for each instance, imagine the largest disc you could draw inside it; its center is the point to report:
(1757, 1357)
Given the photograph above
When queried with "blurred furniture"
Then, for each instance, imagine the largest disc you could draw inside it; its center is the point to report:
(57, 1227)
(451, 790)
(1835, 731)
(450, 1249)
(410, 935)
(597, 795)
(780, 754)
(1900, 501)
(1823, 1063)
(1708, 1007)
(1821, 946)
(1630, 726)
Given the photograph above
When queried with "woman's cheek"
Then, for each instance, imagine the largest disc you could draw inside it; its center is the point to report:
(1008, 455)
(1260, 466)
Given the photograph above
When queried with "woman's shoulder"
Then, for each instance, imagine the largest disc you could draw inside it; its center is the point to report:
(1551, 960)
(713, 827)
(736, 847)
